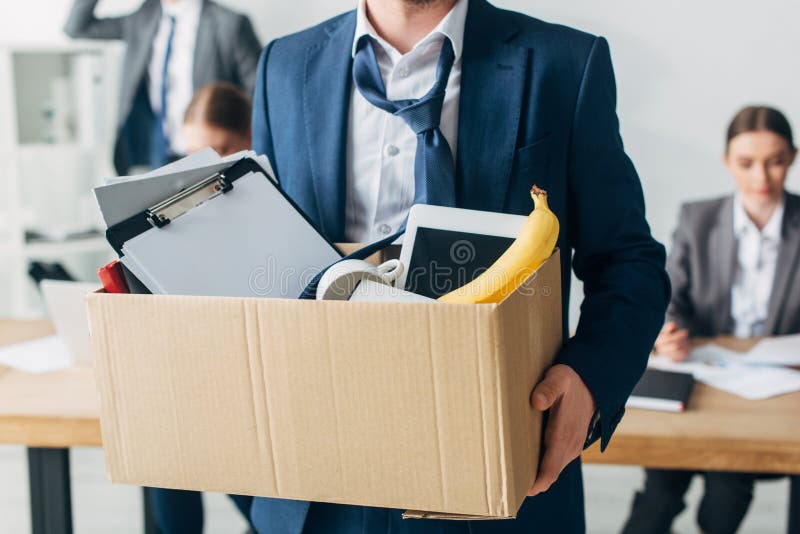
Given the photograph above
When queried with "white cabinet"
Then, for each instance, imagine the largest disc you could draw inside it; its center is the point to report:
(57, 126)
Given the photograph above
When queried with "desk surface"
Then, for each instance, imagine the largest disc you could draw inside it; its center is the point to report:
(718, 430)
(58, 409)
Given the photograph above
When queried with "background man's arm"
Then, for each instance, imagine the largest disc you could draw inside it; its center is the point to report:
(82, 24)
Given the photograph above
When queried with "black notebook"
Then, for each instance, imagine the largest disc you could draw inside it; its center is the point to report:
(662, 390)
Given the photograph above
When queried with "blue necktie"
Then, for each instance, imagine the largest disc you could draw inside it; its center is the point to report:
(161, 141)
(434, 172)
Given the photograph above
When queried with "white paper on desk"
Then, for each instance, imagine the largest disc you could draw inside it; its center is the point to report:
(782, 350)
(710, 353)
(754, 382)
(249, 242)
(748, 381)
(702, 361)
(697, 368)
(38, 356)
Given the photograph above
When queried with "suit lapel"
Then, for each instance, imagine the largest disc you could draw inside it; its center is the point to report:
(326, 105)
(787, 263)
(493, 74)
(205, 53)
(726, 252)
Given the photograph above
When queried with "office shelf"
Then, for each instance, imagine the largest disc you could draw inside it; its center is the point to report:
(58, 109)
(48, 249)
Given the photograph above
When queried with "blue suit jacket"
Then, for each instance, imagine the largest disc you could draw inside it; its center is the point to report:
(538, 105)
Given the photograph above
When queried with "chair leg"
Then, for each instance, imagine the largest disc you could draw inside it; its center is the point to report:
(51, 497)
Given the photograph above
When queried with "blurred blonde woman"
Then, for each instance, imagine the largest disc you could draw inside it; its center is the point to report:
(218, 117)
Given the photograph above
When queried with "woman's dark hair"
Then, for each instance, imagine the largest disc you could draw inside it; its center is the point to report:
(222, 105)
(761, 118)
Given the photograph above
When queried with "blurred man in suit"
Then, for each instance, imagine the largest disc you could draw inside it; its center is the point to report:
(174, 47)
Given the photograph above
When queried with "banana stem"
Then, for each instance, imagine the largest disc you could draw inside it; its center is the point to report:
(539, 196)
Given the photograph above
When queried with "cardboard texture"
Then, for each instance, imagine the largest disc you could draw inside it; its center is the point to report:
(420, 406)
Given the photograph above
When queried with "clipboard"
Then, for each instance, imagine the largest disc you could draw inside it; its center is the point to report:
(212, 247)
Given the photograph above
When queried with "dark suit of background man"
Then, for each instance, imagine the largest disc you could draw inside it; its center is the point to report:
(535, 104)
(195, 42)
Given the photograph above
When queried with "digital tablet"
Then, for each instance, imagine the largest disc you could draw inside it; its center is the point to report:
(445, 248)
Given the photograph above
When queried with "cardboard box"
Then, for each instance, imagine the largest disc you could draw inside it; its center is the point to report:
(420, 406)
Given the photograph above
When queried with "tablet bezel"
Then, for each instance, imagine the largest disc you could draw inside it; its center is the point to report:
(456, 220)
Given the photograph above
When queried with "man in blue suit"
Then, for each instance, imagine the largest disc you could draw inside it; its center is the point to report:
(456, 102)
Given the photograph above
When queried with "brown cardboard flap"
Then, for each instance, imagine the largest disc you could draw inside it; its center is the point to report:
(417, 514)
(530, 330)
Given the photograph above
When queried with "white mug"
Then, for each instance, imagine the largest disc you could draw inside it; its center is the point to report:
(342, 278)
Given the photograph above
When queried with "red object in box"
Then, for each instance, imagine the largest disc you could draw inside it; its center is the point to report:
(112, 278)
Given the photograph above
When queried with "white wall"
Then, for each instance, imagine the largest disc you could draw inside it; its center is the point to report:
(683, 68)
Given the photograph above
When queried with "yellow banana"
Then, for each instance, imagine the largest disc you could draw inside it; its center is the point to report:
(530, 249)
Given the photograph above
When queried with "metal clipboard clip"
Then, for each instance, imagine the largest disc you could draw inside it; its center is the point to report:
(173, 207)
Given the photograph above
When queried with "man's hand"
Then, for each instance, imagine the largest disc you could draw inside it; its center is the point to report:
(673, 342)
(571, 408)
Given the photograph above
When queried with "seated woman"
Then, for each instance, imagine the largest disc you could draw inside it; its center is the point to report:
(732, 267)
(218, 116)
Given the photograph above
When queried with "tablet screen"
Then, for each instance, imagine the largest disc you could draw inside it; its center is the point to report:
(443, 260)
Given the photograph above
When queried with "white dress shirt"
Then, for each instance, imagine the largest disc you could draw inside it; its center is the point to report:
(754, 273)
(380, 146)
(180, 86)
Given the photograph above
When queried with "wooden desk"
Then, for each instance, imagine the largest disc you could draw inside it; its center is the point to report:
(58, 409)
(717, 432)
(51, 412)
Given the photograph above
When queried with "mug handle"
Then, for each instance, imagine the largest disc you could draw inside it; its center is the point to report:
(390, 271)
